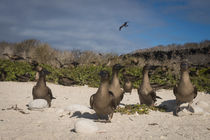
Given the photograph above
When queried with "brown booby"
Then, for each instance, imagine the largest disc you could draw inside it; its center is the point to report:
(146, 94)
(41, 90)
(115, 87)
(103, 101)
(184, 91)
(125, 24)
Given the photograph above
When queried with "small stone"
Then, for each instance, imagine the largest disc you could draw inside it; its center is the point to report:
(38, 104)
(85, 126)
(198, 110)
(202, 104)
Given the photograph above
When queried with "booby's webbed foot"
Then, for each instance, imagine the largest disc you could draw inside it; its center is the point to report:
(110, 117)
(176, 112)
(190, 108)
(177, 109)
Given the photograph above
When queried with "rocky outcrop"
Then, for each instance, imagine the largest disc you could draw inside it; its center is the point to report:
(195, 53)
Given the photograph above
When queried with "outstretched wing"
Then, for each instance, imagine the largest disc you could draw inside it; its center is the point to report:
(125, 24)
(120, 27)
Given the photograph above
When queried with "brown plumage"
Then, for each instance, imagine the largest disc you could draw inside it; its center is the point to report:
(146, 94)
(184, 92)
(128, 86)
(40, 90)
(125, 24)
(103, 100)
(115, 87)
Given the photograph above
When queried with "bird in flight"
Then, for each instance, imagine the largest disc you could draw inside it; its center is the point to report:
(125, 24)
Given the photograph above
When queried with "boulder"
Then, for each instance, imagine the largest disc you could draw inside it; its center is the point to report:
(38, 104)
(85, 126)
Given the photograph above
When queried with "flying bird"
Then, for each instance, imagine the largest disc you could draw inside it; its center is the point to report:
(125, 24)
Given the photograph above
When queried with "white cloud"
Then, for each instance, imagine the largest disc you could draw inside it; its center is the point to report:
(80, 24)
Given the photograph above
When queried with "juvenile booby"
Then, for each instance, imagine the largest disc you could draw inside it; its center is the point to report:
(184, 91)
(41, 90)
(128, 86)
(103, 100)
(115, 87)
(146, 94)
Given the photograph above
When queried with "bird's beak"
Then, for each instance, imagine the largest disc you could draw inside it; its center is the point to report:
(154, 67)
(46, 72)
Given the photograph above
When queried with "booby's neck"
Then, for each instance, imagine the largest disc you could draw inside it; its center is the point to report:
(185, 76)
(146, 78)
(103, 88)
(41, 81)
(115, 79)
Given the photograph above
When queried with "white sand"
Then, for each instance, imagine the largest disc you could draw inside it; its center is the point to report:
(56, 123)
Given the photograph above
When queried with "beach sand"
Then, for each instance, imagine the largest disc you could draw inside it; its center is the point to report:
(19, 123)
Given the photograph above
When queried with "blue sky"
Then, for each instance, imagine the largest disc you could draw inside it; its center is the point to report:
(93, 24)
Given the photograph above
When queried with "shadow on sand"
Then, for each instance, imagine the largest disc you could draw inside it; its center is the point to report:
(94, 117)
(169, 105)
(85, 115)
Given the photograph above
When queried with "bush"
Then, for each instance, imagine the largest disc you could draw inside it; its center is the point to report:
(13, 69)
(88, 74)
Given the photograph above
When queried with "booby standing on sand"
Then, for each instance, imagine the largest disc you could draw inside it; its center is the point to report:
(184, 92)
(146, 94)
(115, 84)
(128, 86)
(103, 100)
(40, 90)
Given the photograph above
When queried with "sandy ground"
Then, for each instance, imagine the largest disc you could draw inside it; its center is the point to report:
(51, 124)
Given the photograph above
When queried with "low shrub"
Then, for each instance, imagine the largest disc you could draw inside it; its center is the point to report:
(88, 74)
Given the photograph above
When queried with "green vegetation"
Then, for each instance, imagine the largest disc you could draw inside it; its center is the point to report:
(202, 80)
(88, 74)
(14, 69)
(137, 108)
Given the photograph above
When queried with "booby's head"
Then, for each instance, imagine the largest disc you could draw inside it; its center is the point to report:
(42, 71)
(104, 75)
(184, 66)
(117, 67)
(148, 67)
